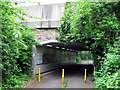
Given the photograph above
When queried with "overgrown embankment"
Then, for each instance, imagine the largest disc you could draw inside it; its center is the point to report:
(97, 26)
(16, 46)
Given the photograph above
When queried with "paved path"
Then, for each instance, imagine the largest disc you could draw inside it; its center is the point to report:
(87, 62)
(77, 81)
(73, 73)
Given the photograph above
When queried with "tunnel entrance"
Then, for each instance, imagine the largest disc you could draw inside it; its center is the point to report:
(74, 75)
(52, 56)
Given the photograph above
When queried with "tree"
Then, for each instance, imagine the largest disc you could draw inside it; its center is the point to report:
(16, 45)
(94, 24)
(97, 25)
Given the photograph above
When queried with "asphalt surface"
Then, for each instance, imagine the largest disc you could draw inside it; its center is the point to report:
(73, 73)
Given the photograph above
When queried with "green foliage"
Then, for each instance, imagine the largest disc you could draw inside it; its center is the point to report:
(16, 45)
(83, 56)
(109, 74)
(65, 84)
(93, 24)
(97, 26)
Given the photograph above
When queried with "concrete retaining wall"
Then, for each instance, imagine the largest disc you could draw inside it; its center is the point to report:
(52, 58)
(50, 15)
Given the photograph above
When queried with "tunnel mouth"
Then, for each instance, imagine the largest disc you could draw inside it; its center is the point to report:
(70, 69)
(70, 46)
(79, 68)
(73, 74)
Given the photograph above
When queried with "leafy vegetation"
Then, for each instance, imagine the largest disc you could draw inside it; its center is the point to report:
(83, 56)
(109, 74)
(97, 25)
(16, 46)
(65, 84)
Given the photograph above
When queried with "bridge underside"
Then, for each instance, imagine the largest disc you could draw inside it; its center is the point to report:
(51, 54)
(71, 46)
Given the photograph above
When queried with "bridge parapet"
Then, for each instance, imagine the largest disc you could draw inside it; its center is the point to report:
(50, 15)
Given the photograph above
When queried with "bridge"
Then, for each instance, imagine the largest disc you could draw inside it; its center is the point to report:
(51, 55)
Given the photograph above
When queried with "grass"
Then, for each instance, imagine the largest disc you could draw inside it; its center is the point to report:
(65, 84)
(79, 61)
(29, 80)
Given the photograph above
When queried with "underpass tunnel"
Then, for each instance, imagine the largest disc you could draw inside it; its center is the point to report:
(52, 55)
(73, 73)
(77, 70)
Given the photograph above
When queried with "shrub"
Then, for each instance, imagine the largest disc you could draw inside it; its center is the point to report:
(97, 26)
(16, 45)
(109, 74)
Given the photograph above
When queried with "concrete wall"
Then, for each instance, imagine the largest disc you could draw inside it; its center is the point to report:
(52, 58)
(50, 15)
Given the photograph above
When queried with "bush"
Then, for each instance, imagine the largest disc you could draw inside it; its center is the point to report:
(16, 45)
(109, 74)
(97, 26)
(85, 55)
(109, 81)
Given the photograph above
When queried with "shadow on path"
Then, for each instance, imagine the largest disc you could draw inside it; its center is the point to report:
(73, 72)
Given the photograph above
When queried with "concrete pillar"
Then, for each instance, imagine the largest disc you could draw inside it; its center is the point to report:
(34, 58)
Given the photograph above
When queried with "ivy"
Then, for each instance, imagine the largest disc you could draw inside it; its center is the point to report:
(97, 26)
(16, 46)
(109, 74)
